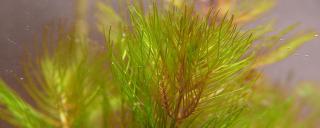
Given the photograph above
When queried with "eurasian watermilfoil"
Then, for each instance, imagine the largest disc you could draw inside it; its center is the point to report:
(174, 65)
(169, 65)
(166, 66)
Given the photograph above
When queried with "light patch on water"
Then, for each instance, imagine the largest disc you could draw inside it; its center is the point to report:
(9, 70)
(11, 41)
(27, 28)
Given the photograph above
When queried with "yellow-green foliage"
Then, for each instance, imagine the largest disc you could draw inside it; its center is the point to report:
(173, 64)
(165, 65)
(63, 84)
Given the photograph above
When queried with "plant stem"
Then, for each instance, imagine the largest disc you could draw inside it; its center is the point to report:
(63, 114)
(176, 111)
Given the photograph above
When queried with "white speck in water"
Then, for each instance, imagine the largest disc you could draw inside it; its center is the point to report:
(316, 35)
(11, 41)
(281, 39)
(9, 70)
(124, 34)
(306, 55)
(27, 28)
(21, 78)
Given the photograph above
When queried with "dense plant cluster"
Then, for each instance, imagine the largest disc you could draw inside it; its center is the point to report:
(162, 64)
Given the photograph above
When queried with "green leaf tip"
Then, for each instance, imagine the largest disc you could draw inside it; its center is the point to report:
(284, 50)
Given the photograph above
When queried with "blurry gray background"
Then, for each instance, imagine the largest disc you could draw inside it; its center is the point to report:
(305, 63)
(22, 20)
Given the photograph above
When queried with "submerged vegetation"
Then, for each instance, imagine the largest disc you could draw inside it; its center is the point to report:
(162, 64)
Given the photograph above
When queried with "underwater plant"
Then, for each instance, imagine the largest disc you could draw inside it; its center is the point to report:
(163, 65)
(173, 70)
(62, 83)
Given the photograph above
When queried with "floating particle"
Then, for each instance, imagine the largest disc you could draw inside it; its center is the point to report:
(11, 41)
(27, 28)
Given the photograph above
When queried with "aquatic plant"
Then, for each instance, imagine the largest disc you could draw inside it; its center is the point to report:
(164, 65)
(172, 64)
(62, 83)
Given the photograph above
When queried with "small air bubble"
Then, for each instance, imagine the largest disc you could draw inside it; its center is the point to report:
(8, 70)
(11, 41)
(27, 28)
